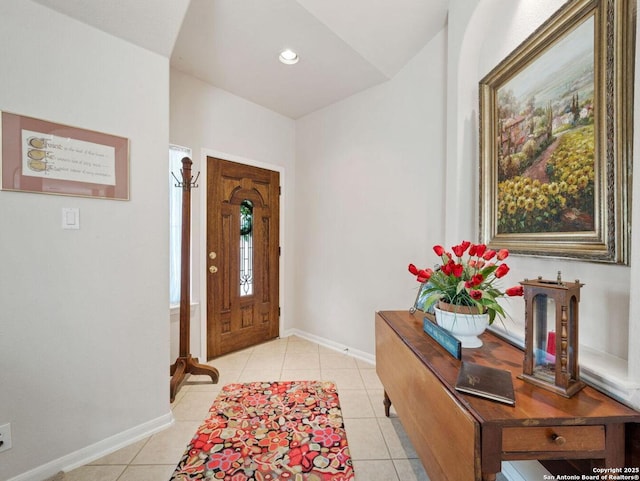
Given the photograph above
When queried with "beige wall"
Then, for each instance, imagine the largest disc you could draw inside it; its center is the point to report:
(369, 199)
(481, 34)
(214, 122)
(83, 313)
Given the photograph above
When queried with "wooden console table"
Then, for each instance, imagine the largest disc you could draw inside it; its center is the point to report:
(461, 437)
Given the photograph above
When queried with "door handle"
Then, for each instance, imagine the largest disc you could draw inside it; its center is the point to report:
(213, 269)
(212, 255)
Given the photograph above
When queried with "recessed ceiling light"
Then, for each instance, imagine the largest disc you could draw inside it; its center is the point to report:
(288, 57)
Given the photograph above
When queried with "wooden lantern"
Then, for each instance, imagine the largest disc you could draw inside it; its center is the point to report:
(551, 335)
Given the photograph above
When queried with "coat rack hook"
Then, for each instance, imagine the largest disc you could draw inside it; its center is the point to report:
(194, 182)
(178, 181)
(187, 182)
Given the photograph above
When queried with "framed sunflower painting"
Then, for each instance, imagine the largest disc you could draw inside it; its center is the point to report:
(556, 126)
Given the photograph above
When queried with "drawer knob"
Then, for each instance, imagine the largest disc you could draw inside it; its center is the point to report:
(559, 440)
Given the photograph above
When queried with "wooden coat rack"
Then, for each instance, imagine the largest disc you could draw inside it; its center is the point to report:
(185, 364)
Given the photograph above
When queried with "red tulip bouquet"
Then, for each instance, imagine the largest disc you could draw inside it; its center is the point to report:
(467, 277)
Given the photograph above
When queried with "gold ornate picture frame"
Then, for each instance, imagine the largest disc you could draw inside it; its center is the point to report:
(556, 127)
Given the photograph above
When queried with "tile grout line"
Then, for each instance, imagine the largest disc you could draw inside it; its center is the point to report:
(247, 365)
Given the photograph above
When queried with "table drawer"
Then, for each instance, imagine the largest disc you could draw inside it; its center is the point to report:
(553, 439)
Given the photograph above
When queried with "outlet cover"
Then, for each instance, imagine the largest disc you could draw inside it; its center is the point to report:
(5, 437)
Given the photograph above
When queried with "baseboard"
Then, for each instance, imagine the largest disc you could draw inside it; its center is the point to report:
(96, 451)
(328, 343)
(524, 470)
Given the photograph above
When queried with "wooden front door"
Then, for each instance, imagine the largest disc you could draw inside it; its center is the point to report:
(243, 205)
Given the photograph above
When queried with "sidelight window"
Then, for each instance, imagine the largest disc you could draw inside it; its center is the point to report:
(176, 154)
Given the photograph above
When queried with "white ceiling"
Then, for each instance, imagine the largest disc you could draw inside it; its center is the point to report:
(345, 46)
(151, 24)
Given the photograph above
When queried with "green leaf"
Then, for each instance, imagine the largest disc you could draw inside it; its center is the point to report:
(431, 300)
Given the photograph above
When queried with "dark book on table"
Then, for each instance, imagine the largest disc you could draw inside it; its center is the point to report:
(487, 382)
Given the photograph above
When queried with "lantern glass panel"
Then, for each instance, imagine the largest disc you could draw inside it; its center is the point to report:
(572, 334)
(544, 335)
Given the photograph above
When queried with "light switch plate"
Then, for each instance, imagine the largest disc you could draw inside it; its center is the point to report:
(70, 218)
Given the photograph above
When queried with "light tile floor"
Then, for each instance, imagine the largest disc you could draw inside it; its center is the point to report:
(379, 446)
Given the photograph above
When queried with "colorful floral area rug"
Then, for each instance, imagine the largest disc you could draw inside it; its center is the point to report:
(267, 431)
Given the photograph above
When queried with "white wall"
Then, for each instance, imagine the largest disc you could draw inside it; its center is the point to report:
(83, 314)
(369, 199)
(379, 186)
(214, 122)
(84, 340)
(481, 34)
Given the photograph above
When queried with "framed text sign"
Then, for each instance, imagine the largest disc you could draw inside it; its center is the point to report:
(49, 158)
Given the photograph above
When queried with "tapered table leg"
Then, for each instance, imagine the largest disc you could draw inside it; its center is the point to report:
(387, 404)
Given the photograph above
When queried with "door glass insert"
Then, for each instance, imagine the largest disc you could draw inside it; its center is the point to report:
(246, 248)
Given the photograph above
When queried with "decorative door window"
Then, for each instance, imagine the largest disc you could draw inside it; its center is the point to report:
(246, 248)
